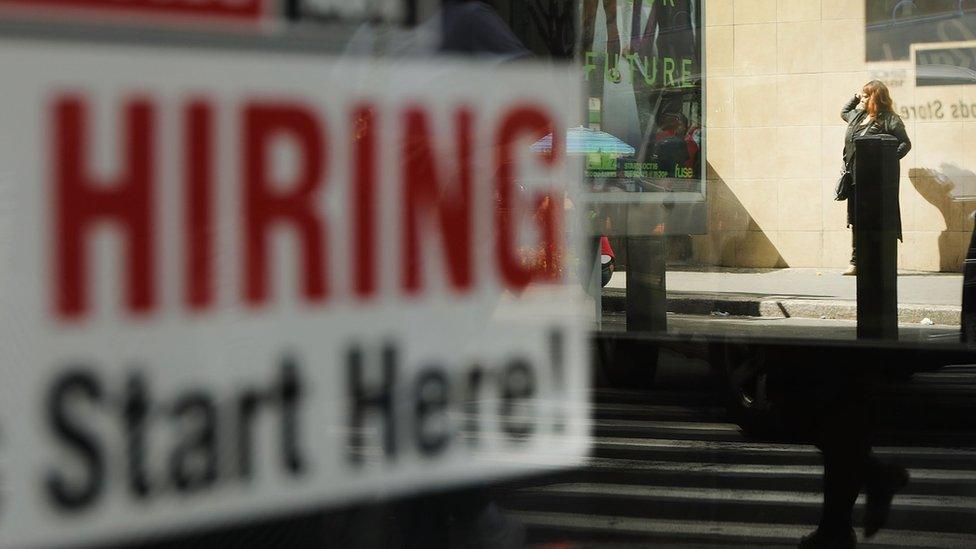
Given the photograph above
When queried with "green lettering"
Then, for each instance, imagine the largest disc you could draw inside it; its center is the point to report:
(686, 73)
(650, 65)
(589, 64)
(669, 72)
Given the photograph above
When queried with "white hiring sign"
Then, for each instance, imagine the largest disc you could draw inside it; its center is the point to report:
(244, 284)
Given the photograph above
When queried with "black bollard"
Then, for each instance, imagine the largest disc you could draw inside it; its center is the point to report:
(292, 10)
(968, 316)
(876, 233)
(647, 298)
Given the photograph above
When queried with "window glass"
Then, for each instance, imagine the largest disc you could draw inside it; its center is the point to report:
(488, 273)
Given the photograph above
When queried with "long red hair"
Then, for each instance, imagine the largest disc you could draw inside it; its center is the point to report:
(879, 98)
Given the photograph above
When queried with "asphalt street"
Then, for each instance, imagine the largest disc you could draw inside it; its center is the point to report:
(669, 469)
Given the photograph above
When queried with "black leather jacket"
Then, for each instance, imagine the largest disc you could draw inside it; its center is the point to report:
(886, 122)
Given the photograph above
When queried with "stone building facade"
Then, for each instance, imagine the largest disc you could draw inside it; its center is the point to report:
(777, 73)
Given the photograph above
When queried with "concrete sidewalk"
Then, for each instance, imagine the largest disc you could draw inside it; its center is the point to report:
(800, 293)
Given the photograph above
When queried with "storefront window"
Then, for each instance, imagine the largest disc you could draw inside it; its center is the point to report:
(488, 273)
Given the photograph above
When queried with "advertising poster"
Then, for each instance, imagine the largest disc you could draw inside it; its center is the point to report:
(642, 63)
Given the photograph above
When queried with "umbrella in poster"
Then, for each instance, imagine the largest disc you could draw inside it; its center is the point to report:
(580, 140)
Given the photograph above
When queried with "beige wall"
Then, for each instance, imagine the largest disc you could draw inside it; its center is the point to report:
(777, 74)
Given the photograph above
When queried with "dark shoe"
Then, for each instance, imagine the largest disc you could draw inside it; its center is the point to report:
(880, 494)
(824, 540)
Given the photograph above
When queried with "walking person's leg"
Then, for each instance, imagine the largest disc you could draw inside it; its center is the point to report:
(844, 432)
(852, 268)
(589, 26)
(843, 442)
(613, 38)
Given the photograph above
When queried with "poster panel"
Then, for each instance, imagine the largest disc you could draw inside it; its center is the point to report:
(644, 133)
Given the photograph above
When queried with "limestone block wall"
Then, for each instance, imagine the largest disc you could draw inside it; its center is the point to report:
(777, 73)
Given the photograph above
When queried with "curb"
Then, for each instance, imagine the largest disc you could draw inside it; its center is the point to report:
(614, 300)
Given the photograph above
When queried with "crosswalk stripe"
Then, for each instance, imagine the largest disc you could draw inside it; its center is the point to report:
(711, 495)
(667, 425)
(731, 431)
(669, 466)
(765, 448)
(758, 469)
(741, 532)
(658, 410)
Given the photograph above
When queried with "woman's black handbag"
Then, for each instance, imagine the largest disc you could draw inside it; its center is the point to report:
(845, 186)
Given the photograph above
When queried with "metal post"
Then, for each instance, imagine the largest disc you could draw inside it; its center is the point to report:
(968, 317)
(876, 234)
(292, 10)
(592, 278)
(647, 299)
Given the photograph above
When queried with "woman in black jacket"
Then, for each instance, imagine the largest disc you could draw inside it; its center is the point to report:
(867, 113)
